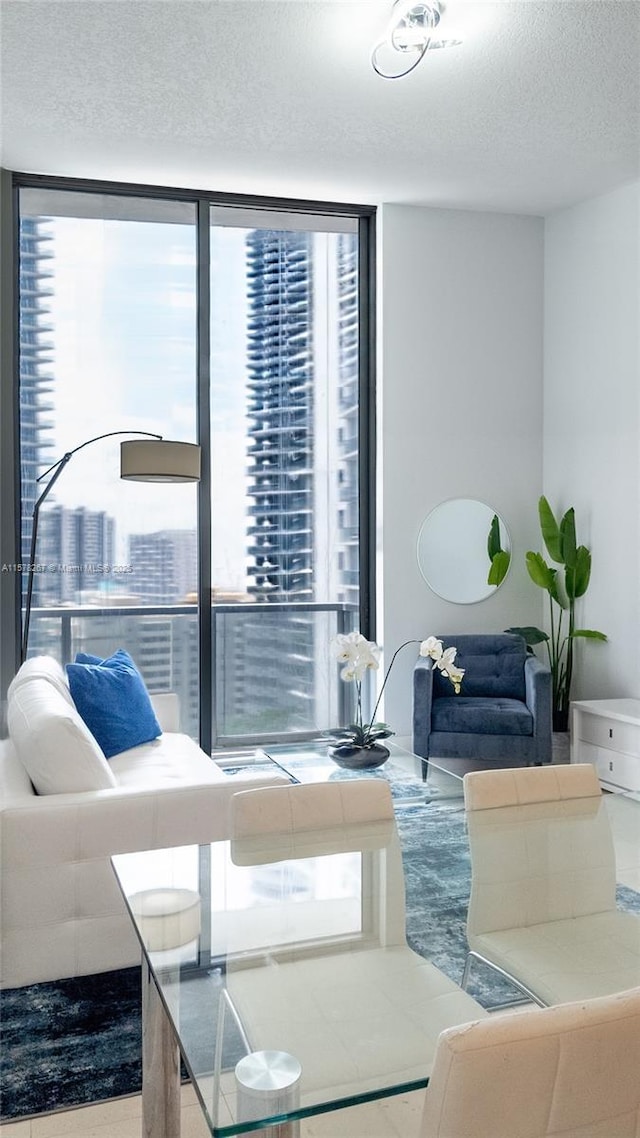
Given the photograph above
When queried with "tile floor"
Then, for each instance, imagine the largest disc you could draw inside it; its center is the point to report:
(397, 1117)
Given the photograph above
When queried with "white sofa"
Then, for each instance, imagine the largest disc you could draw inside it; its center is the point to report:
(61, 910)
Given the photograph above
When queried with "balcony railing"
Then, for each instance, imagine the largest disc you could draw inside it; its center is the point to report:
(273, 677)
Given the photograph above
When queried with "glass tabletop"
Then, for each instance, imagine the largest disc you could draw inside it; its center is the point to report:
(284, 969)
(311, 762)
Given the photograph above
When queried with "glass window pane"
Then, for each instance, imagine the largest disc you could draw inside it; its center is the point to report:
(108, 343)
(284, 467)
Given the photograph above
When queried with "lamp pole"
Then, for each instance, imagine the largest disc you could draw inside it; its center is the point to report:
(57, 469)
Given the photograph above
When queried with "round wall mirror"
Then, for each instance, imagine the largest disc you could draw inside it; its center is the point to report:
(464, 550)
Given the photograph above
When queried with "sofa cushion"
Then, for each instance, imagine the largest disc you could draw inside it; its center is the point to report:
(54, 745)
(481, 716)
(171, 758)
(43, 668)
(113, 701)
(15, 783)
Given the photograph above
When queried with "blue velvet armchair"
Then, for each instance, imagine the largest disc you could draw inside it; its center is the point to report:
(503, 711)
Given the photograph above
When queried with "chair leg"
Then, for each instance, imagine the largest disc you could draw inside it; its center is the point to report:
(467, 969)
(425, 769)
(501, 972)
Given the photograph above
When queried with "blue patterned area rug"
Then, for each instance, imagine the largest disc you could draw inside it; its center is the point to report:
(74, 1042)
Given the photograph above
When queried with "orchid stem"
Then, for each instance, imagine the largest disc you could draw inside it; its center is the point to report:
(386, 677)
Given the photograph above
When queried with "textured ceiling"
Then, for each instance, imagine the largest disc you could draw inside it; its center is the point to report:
(539, 107)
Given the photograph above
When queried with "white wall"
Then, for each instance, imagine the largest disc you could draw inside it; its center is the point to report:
(461, 411)
(592, 421)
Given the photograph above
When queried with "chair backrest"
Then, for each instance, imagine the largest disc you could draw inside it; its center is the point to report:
(332, 808)
(541, 846)
(493, 663)
(285, 823)
(570, 1070)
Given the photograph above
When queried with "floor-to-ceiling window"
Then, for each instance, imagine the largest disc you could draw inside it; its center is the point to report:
(284, 449)
(246, 326)
(107, 304)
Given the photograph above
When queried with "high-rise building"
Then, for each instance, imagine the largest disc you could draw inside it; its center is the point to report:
(164, 571)
(76, 546)
(302, 365)
(36, 379)
(164, 566)
(281, 408)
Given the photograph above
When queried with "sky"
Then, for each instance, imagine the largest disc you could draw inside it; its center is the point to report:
(123, 316)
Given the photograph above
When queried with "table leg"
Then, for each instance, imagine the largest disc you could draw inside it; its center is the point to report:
(160, 1066)
(268, 1082)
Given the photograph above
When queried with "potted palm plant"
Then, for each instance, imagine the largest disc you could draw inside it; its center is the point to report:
(564, 587)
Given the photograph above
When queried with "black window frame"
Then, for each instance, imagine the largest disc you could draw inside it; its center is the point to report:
(10, 501)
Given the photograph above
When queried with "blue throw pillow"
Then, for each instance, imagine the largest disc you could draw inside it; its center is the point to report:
(113, 701)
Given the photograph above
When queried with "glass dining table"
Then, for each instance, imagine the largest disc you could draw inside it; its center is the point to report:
(278, 979)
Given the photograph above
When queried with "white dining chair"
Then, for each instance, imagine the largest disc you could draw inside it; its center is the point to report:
(543, 895)
(569, 1071)
(366, 1010)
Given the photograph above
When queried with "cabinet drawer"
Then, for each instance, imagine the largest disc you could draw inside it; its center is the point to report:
(622, 771)
(609, 733)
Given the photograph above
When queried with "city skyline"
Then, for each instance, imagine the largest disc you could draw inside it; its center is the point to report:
(284, 447)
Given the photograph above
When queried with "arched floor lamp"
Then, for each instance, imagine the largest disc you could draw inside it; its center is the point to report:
(149, 459)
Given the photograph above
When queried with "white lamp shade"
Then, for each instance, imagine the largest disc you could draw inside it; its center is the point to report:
(159, 460)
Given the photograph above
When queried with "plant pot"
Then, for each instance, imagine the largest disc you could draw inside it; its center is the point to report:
(560, 720)
(560, 747)
(359, 758)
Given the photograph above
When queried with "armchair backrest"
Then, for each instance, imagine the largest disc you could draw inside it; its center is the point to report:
(493, 663)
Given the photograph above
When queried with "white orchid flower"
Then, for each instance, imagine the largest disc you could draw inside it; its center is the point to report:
(431, 647)
(445, 661)
(358, 654)
(369, 655)
(355, 650)
(350, 647)
(343, 646)
(455, 675)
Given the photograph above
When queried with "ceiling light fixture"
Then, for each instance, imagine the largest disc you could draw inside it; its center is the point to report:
(410, 32)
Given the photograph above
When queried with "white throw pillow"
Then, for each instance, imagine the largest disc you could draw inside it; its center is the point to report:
(43, 668)
(53, 743)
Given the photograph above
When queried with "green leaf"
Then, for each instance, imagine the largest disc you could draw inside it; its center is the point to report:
(531, 635)
(380, 733)
(550, 530)
(539, 571)
(493, 541)
(543, 576)
(568, 538)
(570, 583)
(499, 567)
(343, 733)
(582, 571)
(588, 634)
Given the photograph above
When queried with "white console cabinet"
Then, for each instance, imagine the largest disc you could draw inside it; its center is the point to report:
(606, 732)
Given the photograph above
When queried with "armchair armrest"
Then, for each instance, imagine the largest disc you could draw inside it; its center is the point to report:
(422, 700)
(537, 678)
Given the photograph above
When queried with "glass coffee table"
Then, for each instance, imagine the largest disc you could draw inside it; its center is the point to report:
(311, 762)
